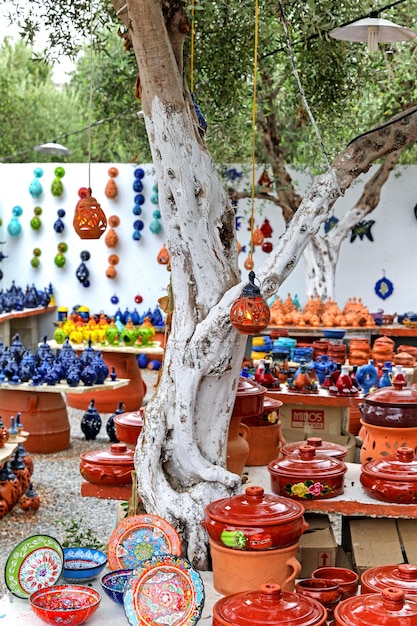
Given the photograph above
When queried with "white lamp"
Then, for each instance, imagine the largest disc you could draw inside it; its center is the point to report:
(373, 30)
(53, 148)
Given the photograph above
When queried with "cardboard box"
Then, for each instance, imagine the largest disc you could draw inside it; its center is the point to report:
(318, 547)
(347, 440)
(374, 542)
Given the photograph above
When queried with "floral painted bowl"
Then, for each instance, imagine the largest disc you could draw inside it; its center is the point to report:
(65, 604)
(114, 583)
(82, 564)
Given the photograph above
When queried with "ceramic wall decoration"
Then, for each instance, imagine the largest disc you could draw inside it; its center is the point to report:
(35, 187)
(14, 227)
(111, 190)
(59, 225)
(35, 222)
(112, 239)
(82, 272)
(57, 187)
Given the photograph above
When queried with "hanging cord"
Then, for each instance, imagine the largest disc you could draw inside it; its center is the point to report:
(303, 96)
(90, 102)
(255, 71)
(192, 48)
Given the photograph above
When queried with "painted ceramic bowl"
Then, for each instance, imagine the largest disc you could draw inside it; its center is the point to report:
(325, 448)
(65, 604)
(249, 398)
(82, 564)
(391, 406)
(403, 576)
(345, 578)
(128, 426)
(255, 521)
(114, 583)
(392, 479)
(307, 476)
(268, 606)
(111, 466)
(388, 608)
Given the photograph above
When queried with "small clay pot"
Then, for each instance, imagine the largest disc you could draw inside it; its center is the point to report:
(345, 578)
(128, 426)
(112, 466)
(249, 398)
(388, 608)
(324, 448)
(307, 476)
(392, 479)
(403, 576)
(327, 592)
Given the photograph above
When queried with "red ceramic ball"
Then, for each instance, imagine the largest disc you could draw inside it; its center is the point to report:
(267, 247)
(138, 299)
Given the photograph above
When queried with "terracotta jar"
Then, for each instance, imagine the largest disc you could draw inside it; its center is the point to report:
(392, 479)
(381, 441)
(128, 426)
(264, 434)
(324, 448)
(268, 606)
(237, 449)
(403, 576)
(394, 406)
(307, 476)
(255, 521)
(388, 608)
(111, 466)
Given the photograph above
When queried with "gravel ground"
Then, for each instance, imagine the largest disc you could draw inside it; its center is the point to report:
(57, 480)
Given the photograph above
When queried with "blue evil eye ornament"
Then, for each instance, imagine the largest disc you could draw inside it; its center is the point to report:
(35, 187)
(137, 185)
(59, 225)
(14, 227)
(384, 288)
(114, 299)
(139, 172)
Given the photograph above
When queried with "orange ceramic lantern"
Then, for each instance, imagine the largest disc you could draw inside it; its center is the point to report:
(89, 219)
(250, 313)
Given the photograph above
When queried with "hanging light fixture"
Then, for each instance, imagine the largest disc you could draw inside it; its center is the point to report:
(53, 148)
(89, 219)
(250, 313)
(372, 30)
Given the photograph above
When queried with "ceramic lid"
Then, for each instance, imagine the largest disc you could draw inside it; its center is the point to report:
(393, 396)
(254, 507)
(117, 454)
(388, 608)
(403, 576)
(269, 606)
(130, 419)
(270, 404)
(326, 448)
(247, 386)
(306, 460)
(402, 466)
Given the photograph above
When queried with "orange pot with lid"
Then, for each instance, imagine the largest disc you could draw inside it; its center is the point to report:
(249, 398)
(392, 478)
(112, 466)
(388, 608)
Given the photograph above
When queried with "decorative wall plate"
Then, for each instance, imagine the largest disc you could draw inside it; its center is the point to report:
(384, 288)
(139, 537)
(35, 563)
(165, 590)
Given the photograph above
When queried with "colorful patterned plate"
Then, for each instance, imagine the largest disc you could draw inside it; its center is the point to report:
(139, 537)
(164, 590)
(35, 563)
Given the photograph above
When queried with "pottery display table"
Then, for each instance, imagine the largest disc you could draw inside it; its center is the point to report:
(7, 452)
(44, 411)
(124, 360)
(26, 323)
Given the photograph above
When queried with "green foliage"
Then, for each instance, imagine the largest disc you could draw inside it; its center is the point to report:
(77, 535)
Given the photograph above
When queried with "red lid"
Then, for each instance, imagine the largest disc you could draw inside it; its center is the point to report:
(388, 608)
(394, 396)
(401, 467)
(117, 454)
(268, 606)
(254, 507)
(247, 386)
(402, 576)
(130, 419)
(324, 448)
(306, 460)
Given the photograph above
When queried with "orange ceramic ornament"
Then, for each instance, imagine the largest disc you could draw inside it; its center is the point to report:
(257, 237)
(111, 271)
(111, 190)
(248, 264)
(112, 239)
(163, 256)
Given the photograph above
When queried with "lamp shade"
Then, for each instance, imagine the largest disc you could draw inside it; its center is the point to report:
(250, 313)
(53, 148)
(373, 30)
(89, 219)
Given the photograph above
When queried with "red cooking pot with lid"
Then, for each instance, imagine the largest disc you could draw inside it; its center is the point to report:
(325, 448)
(388, 608)
(393, 478)
(110, 466)
(403, 576)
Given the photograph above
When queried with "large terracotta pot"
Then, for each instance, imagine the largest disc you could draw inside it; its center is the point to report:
(307, 476)
(392, 479)
(382, 441)
(111, 466)
(388, 608)
(403, 576)
(254, 521)
(268, 606)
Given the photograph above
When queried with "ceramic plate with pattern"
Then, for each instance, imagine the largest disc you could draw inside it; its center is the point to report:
(138, 537)
(35, 563)
(166, 589)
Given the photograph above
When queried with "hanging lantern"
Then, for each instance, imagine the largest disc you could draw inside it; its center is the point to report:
(250, 313)
(89, 219)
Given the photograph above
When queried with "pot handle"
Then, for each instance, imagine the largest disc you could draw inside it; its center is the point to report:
(361, 407)
(295, 565)
(244, 431)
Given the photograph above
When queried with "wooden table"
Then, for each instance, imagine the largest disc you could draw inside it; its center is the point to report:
(25, 323)
(44, 411)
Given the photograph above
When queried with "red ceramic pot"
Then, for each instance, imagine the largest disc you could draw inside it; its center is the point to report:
(128, 426)
(255, 521)
(388, 608)
(249, 398)
(307, 476)
(402, 576)
(345, 578)
(327, 592)
(325, 448)
(392, 479)
(111, 466)
(391, 406)
(268, 606)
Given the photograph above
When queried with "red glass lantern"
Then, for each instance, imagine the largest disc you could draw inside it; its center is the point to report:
(250, 313)
(89, 219)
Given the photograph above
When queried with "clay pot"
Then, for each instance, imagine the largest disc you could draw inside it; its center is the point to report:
(324, 448)
(306, 475)
(234, 570)
(402, 576)
(249, 398)
(128, 426)
(392, 479)
(237, 449)
(388, 608)
(254, 521)
(327, 592)
(264, 443)
(381, 441)
(391, 406)
(268, 606)
(345, 578)
(109, 466)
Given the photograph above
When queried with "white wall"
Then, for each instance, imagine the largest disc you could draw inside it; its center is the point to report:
(362, 263)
